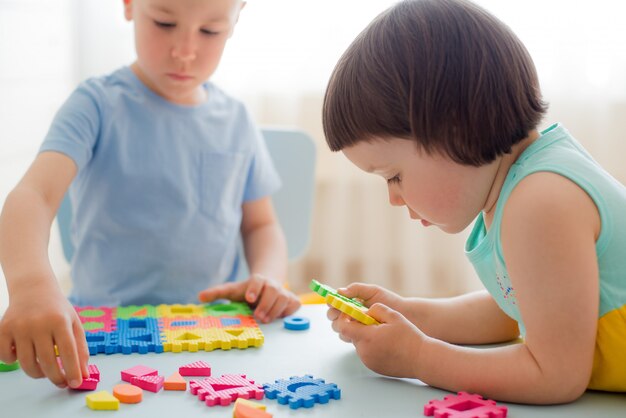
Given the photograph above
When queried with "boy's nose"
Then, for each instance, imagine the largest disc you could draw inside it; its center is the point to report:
(184, 49)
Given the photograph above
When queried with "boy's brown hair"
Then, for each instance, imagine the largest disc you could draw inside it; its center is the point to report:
(444, 73)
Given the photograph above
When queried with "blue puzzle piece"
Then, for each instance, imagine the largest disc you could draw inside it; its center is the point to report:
(102, 342)
(139, 335)
(301, 391)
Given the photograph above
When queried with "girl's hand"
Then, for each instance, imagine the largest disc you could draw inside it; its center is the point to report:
(32, 325)
(391, 348)
(371, 294)
(268, 296)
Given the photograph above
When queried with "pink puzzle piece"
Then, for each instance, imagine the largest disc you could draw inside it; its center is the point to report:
(226, 389)
(197, 368)
(464, 405)
(138, 371)
(90, 383)
(151, 383)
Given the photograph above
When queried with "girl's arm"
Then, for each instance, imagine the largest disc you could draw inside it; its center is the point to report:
(549, 231)
(473, 318)
(39, 316)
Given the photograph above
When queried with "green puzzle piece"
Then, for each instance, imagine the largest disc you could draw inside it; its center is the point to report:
(232, 308)
(4, 367)
(323, 290)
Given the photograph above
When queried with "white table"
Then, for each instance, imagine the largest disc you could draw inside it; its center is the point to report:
(316, 351)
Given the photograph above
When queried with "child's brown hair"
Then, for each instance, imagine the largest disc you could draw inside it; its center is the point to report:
(444, 73)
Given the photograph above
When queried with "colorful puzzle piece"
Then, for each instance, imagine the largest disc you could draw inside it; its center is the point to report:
(296, 323)
(197, 368)
(136, 311)
(102, 401)
(151, 383)
(9, 367)
(175, 382)
(229, 309)
(96, 319)
(464, 405)
(351, 309)
(138, 371)
(225, 389)
(324, 290)
(248, 409)
(248, 403)
(211, 339)
(90, 383)
(128, 393)
(146, 328)
(301, 391)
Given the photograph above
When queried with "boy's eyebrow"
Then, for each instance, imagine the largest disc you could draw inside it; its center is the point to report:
(163, 9)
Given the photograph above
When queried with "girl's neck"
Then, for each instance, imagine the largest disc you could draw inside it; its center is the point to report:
(505, 163)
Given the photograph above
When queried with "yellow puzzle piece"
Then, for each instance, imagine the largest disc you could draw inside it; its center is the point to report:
(211, 339)
(102, 401)
(355, 311)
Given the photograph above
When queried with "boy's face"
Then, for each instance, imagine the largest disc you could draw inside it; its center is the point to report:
(179, 43)
(434, 189)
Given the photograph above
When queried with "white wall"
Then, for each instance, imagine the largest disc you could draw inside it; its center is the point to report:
(279, 61)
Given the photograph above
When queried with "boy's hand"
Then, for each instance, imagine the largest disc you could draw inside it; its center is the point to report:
(391, 348)
(371, 294)
(32, 325)
(270, 298)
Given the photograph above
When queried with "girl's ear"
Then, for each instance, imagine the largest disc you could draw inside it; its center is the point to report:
(128, 10)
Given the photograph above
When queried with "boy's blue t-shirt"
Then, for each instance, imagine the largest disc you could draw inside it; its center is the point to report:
(158, 194)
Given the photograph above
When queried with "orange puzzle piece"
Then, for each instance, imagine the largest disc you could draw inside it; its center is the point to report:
(175, 382)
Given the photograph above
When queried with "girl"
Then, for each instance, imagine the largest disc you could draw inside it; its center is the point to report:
(442, 100)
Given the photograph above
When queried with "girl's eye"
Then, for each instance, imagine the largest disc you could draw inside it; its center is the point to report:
(208, 32)
(395, 179)
(164, 25)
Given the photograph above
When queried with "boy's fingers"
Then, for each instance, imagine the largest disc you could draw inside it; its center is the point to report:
(69, 358)
(278, 308)
(48, 361)
(292, 306)
(265, 303)
(26, 356)
(254, 288)
(7, 351)
(81, 347)
(231, 291)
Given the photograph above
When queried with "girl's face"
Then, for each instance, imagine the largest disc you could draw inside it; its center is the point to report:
(179, 43)
(435, 190)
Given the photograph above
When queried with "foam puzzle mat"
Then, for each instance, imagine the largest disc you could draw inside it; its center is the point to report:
(163, 328)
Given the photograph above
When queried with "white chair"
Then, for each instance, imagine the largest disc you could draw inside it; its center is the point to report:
(293, 153)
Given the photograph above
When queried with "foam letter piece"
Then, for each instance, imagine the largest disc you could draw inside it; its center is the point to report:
(464, 405)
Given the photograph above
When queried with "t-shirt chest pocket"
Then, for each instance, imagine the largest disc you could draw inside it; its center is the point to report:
(222, 182)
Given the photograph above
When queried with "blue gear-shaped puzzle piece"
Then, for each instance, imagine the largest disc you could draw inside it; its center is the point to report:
(301, 391)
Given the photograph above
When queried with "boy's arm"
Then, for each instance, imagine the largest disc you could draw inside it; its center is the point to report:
(266, 254)
(38, 315)
(263, 239)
